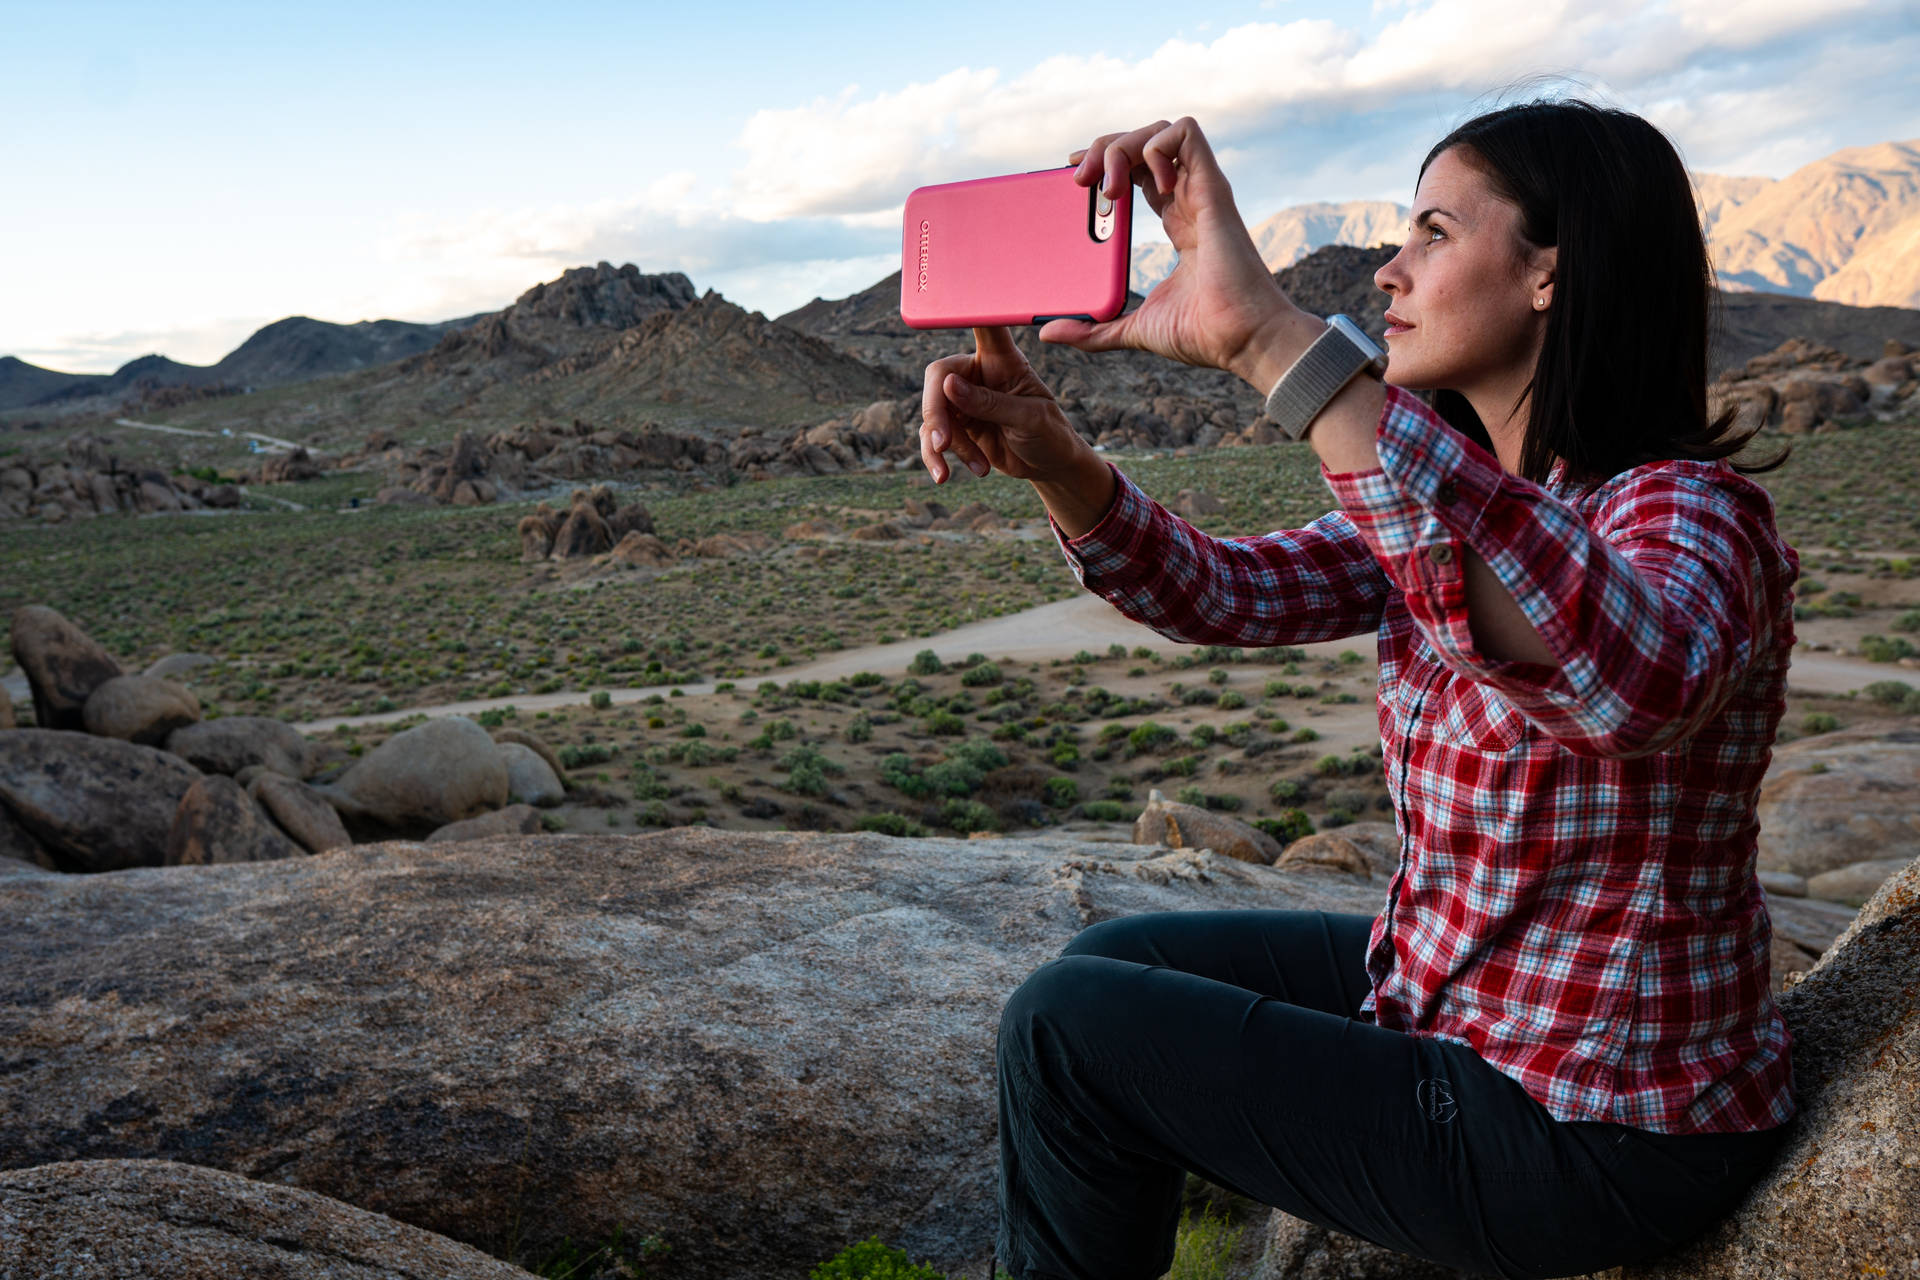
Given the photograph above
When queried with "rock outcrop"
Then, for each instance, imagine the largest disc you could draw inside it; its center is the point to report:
(217, 822)
(1841, 798)
(1187, 826)
(1841, 1199)
(233, 743)
(160, 1220)
(763, 1046)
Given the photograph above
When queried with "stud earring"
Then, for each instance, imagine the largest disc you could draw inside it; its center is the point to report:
(1539, 303)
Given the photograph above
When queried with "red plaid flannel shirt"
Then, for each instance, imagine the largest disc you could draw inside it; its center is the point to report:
(1576, 897)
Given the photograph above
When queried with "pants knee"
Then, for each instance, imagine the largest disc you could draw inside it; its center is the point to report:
(1118, 938)
(1053, 991)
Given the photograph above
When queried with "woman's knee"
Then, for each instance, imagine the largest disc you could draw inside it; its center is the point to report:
(1052, 993)
(1121, 938)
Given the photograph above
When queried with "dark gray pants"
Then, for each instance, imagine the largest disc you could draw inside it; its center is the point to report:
(1224, 1043)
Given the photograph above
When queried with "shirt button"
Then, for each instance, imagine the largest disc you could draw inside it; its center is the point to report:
(1440, 553)
(1446, 492)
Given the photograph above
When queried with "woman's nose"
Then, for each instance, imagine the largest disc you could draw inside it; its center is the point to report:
(1389, 278)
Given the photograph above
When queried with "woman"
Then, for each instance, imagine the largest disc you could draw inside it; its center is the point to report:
(1555, 1050)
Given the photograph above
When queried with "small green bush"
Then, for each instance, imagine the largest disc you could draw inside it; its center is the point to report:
(1291, 825)
(1150, 736)
(1109, 811)
(1819, 722)
(859, 729)
(890, 824)
(1191, 795)
(984, 674)
(1203, 1250)
(871, 1260)
(1881, 649)
(926, 663)
(575, 756)
(1889, 693)
(967, 817)
(1062, 792)
(601, 700)
(1908, 621)
(945, 724)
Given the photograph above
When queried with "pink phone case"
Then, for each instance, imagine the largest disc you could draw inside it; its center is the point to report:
(1016, 249)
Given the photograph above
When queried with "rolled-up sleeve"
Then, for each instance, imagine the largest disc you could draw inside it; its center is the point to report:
(1294, 586)
(1653, 612)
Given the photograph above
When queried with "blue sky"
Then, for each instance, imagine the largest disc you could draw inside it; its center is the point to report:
(178, 175)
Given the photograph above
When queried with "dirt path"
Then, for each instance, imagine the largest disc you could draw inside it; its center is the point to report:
(1056, 630)
(275, 441)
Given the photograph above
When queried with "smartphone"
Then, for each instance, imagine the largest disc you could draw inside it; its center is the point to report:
(1022, 248)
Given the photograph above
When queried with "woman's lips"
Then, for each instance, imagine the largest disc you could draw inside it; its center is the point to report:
(1396, 325)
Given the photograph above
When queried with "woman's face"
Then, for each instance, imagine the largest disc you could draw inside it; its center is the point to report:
(1463, 314)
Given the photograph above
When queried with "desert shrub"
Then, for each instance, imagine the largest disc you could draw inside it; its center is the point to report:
(1062, 792)
(781, 730)
(984, 674)
(578, 755)
(1203, 1250)
(871, 1260)
(926, 663)
(1150, 736)
(1337, 818)
(1144, 654)
(1217, 676)
(694, 730)
(1221, 803)
(967, 817)
(600, 700)
(1202, 735)
(1191, 795)
(1287, 791)
(1352, 799)
(1880, 649)
(1306, 733)
(859, 729)
(1908, 621)
(1819, 722)
(1065, 755)
(945, 724)
(1109, 811)
(866, 679)
(898, 771)
(1119, 787)
(1291, 825)
(1230, 700)
(1185, 766)
(890, 824)
(1116, 650)
(1200, 695)
(1236, 733)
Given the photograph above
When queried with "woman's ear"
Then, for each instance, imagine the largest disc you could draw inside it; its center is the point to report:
(1541, 267)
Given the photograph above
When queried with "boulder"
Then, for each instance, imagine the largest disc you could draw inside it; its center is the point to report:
(1854, 883)
(764, 1045)
(6, 711)
(420, 779)
(536, 539)
(642, 551)
(1840, 1200)
(514, 820)
(231, 743)
(63, 665)
(298, 810)
(530, 780)
(1328, 850)
(162, 1220)
(1841, 798)
(217, 822)
(528, 738)
(583, 533)
(632, 518)
(94, 804)
(1186, 826)
(142, 709)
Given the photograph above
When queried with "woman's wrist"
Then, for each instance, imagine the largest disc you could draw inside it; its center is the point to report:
(1276, 340)
(1079, 497)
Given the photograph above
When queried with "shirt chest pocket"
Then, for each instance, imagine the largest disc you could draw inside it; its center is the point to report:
(1469, 714)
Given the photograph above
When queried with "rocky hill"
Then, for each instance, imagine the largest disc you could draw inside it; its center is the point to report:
(1842, 229)
(1291, 235)
(296, 349)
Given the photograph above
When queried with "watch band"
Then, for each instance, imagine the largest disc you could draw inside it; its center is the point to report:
(1327, 365)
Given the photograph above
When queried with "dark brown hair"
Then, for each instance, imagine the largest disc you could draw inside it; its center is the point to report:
(1621, 378)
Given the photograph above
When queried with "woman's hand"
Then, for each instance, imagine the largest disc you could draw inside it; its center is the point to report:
(1221, 303)
(992, 410)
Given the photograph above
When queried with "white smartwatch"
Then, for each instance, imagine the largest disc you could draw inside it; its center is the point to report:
(1334, 359)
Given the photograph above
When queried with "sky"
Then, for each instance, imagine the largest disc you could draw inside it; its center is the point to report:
(172, 177)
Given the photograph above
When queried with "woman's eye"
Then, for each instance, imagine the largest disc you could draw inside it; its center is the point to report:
(1434, 233)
